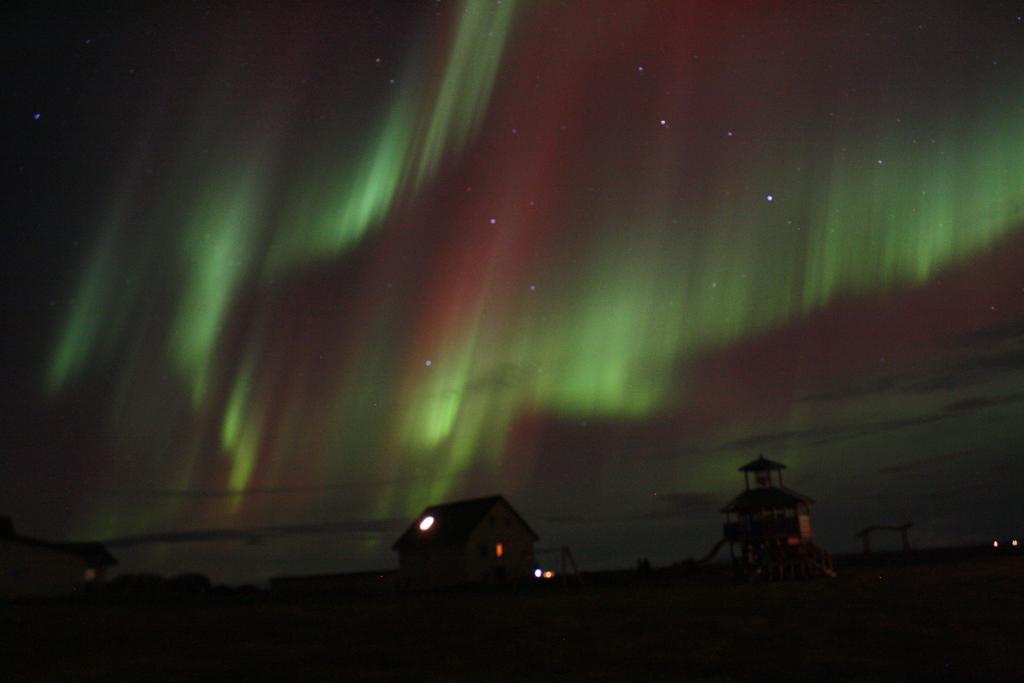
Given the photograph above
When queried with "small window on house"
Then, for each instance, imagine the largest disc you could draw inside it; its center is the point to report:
(499, 550)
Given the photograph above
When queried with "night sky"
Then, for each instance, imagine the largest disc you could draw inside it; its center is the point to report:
(278, 276)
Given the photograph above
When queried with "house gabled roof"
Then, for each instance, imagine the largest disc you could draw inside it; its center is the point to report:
(762, 463)
(94, 554)
(766, 497)
(453, 523)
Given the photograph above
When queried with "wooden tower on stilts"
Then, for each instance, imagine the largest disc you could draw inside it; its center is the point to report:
(768, 527)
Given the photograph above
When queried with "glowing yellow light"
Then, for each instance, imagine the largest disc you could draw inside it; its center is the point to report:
(549, 575)
(537, 573)
(426, 523)
(995, 544)
(499, 550)
(1014, 543)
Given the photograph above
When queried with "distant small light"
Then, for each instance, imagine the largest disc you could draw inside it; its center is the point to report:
(428, 362)
(663, 123)
(36, 116)
(426, 523)
(1014, 543)
(729, 133)
(770, 197)
(538, 573)
(995, 544)
(549, 574)
(533, 288)
(493, 221)
(640, 69)
(499, 550)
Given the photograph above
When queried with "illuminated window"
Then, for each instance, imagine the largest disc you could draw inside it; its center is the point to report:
(499, 550)
(426, 523)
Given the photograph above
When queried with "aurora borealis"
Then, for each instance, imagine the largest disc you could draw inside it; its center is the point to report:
(306, 267)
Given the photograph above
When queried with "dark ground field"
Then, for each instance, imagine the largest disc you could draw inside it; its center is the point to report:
(953, 620)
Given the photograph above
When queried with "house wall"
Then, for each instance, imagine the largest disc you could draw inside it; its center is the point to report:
(501, 525)
(28, 571)
(433, 567)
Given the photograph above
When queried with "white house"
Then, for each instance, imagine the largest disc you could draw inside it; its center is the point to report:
(482, 541)
(31, 568)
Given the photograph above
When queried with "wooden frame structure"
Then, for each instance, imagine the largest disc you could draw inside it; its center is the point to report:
(566, 563)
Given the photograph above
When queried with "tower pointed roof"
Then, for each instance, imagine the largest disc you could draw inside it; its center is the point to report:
(761, 464)
(766, 498)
